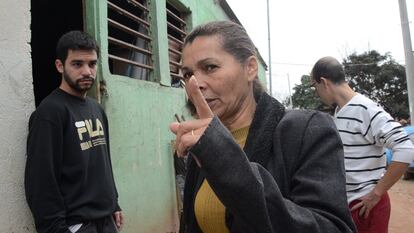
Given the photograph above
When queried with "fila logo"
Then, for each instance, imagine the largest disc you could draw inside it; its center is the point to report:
(86, 126)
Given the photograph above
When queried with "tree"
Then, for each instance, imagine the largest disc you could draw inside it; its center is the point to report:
(303, 96)
(377, 76)
(380, 78)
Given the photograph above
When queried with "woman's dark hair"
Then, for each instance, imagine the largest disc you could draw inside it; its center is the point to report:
(75, 40)
(234, 40)
(329, 68)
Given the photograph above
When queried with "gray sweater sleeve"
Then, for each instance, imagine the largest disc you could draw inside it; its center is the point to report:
(316, 201)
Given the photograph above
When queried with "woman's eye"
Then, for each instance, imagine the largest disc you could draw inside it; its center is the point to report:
(211, 67)
(187, 75)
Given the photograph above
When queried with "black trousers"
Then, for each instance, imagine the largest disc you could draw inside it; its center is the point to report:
(102, 225)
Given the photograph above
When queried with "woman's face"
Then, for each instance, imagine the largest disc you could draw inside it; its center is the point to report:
(225, 83)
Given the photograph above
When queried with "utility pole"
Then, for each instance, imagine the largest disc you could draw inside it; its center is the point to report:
(290, 93)
(270, 53)
(409, 60)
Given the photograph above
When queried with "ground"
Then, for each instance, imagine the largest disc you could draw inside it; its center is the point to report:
(402, 207)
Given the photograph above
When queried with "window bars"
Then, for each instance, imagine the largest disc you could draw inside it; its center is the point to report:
(176, 28)
(128, 39)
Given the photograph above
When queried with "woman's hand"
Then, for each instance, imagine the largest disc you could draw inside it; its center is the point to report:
(189, 132)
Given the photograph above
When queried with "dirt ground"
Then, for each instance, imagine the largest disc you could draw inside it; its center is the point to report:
(402, 207)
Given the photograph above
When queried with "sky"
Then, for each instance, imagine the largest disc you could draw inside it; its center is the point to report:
(302, 31)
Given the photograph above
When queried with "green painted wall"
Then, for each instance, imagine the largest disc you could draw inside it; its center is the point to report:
(262, 74)
(139, 114)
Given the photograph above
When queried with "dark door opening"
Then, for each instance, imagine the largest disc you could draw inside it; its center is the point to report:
(50, 19)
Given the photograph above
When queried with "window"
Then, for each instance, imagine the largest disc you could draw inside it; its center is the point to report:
(176, 27)
(129, 43)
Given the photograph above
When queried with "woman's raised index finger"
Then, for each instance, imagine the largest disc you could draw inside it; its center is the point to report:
(193, 91)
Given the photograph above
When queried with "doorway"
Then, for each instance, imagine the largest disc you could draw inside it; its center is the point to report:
(50, 19)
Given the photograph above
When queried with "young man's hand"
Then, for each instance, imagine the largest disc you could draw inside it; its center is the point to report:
(119, 219)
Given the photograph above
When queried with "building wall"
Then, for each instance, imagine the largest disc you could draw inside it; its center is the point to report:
(139, 113)
(16, 105)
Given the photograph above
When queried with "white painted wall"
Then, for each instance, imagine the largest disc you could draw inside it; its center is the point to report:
(16, 105)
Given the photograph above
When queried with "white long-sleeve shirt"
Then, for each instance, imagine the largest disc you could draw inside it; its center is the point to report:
(366, 130)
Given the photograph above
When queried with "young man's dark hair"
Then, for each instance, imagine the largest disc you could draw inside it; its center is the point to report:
(75, 40)
(329, 68)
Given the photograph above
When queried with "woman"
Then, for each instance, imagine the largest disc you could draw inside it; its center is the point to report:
(253, 167)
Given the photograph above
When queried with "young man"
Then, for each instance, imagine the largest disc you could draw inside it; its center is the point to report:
(68, 179)
(365, 129)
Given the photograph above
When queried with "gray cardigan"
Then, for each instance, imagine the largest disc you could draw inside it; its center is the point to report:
(288, 178)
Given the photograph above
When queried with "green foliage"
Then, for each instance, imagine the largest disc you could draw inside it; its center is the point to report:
(381, 79)
(304, 97)
(377, 76)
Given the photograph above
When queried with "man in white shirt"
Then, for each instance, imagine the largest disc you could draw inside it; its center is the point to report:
(366, 130)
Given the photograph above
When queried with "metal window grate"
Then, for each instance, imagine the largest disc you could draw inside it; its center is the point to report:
(176, 27)
(129, 43)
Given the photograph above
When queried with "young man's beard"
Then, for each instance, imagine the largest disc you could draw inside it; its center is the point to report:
(76, 84)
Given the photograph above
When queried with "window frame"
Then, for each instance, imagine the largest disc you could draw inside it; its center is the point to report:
(97, 25)
(178, 26)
